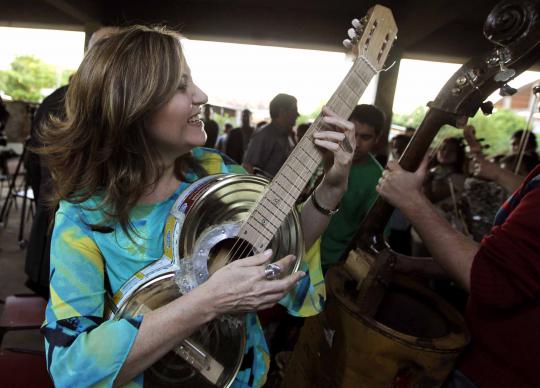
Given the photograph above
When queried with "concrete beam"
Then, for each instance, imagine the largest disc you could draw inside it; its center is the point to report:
(84, 11)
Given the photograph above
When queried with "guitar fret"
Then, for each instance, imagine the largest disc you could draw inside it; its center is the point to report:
(258, 227)
(284, 192)
(298, 175)
(355, 83)
(346, 100)
(274, 208)
(356, 70)
(298, 163)
(293, 184)
(266, 218)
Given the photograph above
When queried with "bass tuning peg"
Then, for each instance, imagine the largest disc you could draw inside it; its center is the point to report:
(486, 107)
(507, 90)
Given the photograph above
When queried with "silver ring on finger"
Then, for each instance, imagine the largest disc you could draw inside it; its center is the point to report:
(272, 271)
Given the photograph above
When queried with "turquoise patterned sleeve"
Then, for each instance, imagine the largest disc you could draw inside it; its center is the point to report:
(81, 348)
(308, 297)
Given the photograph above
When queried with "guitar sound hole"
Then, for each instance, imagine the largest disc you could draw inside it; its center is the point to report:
(226, 251)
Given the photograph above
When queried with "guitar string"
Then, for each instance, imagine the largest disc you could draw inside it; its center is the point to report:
(245, 246)
(524, 141)
(361, 57)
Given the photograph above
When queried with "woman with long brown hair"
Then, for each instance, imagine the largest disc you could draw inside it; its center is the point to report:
(130, 144)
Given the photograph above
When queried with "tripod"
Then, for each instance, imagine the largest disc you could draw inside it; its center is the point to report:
(13, 194)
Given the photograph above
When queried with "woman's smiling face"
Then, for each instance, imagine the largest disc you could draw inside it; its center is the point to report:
(176, 127)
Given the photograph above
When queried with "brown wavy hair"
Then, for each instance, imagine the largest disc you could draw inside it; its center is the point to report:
(102, 146)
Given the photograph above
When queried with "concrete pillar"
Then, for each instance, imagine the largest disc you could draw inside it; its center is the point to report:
(89, 29)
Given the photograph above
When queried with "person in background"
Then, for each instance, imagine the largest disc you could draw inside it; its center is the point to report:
(221, 143)
(398, 145)
(38, 250)
(400, 228)
(501, 275)
(301, 131)
(210, 126)
(530, 147)
(409, 131)
(239, 138)
(514, 146)
(4, 116)
(269, 147)
(365, 172)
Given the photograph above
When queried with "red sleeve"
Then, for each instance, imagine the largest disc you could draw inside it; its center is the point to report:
(506, 270)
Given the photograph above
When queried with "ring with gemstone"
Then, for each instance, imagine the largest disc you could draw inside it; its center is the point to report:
(272, 271)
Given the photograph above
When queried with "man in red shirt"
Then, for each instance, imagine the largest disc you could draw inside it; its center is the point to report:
(501, 274)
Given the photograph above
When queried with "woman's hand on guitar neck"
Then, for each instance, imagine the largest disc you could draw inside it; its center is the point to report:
(241, 286)
(339, 143)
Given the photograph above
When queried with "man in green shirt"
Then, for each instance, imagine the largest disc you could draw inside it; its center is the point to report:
(363, 177)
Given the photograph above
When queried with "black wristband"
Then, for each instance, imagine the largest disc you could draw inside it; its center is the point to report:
(317, 205)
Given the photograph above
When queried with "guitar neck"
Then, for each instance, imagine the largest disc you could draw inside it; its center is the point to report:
(284, 190)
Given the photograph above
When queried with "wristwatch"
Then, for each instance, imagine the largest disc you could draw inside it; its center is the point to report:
(323, 210)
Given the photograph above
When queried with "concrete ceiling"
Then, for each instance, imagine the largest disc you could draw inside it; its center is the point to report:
(436, 29)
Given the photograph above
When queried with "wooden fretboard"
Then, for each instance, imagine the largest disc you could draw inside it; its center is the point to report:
(280, 196)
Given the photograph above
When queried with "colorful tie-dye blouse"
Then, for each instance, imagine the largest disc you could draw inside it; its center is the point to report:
(84, 350)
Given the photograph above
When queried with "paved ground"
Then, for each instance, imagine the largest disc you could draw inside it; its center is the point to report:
(12, 276)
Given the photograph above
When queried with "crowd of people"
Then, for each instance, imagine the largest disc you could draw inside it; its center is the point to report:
(113, 175)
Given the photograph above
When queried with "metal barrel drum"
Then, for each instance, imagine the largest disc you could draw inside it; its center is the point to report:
(413, 340)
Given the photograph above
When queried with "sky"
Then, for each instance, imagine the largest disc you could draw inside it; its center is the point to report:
(245, 74)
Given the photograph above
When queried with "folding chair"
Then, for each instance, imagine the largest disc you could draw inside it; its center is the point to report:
(20, 367)
(22, 312)
(24, 370)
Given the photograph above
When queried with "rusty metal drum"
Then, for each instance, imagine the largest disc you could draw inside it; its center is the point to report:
(413, 340)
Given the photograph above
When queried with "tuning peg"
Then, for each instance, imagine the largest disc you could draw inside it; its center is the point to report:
(352, 33)
(536, 89)
(486, 107)
(507, 90)
(348, 44)
(356, 24)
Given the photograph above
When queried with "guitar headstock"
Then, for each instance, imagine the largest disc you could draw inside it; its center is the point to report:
(514, 27)
(372, 36)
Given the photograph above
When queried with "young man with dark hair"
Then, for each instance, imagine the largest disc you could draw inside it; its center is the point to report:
(269, 147)
(365, 172)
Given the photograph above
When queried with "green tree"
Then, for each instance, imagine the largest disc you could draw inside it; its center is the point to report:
(495, 129)
(27, 78)
(412, 119)
(310, 117)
